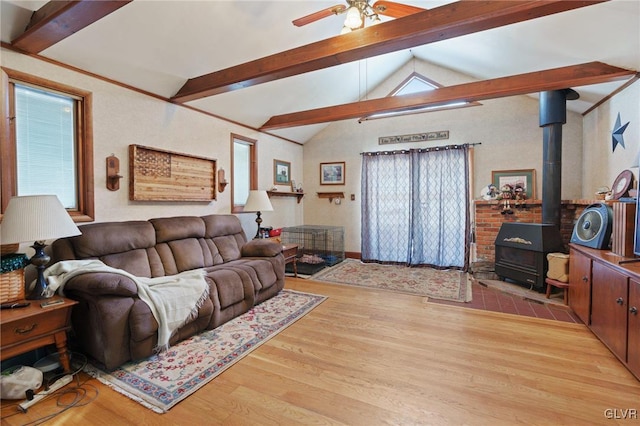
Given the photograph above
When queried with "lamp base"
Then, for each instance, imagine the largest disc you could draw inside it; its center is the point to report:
(258, 221)
(39, 260)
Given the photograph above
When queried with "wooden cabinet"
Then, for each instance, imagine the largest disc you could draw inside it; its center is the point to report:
(580, 285)
(26, 329)
(633, 344)
(604, 291)
(609, 290)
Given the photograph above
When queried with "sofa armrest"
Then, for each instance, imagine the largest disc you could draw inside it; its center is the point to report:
(101, 284)
(261, 248)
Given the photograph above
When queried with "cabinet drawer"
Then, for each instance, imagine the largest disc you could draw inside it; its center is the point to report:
(33, 326)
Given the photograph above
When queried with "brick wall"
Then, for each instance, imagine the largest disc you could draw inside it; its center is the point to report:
(488, 219)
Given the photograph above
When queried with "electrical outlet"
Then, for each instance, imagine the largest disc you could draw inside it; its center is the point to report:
(353, 197)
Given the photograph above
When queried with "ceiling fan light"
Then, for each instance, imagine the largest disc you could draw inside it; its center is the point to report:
(354, 18)
(345, 30)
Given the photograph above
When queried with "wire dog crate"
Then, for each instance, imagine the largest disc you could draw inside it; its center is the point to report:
(318, 246)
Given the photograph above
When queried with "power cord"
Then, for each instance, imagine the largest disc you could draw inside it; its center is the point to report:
(79, 395)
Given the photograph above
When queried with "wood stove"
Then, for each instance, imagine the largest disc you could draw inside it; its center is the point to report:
(521, 252)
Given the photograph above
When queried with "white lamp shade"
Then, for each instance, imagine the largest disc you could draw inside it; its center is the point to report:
(258, 201)
(36, 218)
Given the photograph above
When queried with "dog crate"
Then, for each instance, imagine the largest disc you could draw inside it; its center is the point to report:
(318, 246)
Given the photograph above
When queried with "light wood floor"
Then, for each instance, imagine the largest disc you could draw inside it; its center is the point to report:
(365, 357)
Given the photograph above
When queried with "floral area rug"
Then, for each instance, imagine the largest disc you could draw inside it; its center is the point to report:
(438, 284)
(163, 380)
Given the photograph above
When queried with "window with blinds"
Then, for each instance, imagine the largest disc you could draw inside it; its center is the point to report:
(46, 144)
(49, 149)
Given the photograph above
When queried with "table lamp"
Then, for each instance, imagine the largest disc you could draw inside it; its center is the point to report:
(37, 218)
(258, 201)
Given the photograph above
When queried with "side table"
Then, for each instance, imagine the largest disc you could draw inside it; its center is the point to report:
(290, 252)
(26, 329)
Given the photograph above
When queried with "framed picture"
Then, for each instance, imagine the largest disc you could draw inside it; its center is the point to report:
(332, 173)
(526, 178)
(281, 172)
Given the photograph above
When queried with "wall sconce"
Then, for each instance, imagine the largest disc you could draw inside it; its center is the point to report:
(113, 168)
(222, 183)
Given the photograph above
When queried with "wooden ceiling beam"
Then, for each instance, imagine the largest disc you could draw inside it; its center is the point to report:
(440, 23)
(553, 79)
(57, 20)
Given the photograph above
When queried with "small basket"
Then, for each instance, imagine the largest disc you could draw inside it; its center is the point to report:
(12, 286)
(12, 277)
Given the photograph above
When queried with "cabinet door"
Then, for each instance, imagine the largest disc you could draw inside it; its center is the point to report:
(580, 285)
(609, 305)
(633, 350)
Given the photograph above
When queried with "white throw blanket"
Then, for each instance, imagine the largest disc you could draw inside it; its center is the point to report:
(173, 300)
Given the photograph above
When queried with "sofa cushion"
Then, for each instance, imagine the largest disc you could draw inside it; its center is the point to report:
(99, 239)
(135, 262)
(178, 228)
(227, 247)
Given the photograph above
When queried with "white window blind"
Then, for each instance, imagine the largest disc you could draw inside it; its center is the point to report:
(46, 144)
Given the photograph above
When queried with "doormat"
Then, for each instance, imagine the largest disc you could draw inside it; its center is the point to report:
(448, 284)
(165, 379)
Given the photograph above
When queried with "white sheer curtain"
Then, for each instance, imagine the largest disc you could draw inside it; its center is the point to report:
(415, 207)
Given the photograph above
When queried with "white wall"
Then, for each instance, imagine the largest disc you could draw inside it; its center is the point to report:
(508, 130)
(601, 163)
(122, 117)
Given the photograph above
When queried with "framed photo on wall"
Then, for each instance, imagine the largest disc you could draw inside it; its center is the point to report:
(332, 173)
(526, 178)
(281, 172)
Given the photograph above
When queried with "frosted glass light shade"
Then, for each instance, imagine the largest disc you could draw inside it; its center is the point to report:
(354, 18)
(36, 218)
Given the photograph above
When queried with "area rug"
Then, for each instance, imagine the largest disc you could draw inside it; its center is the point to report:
(438, 284)
(163, 380)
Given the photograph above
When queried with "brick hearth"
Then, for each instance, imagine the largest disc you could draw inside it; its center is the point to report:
(488, 219)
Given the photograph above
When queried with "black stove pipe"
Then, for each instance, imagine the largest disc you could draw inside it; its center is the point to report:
(553, 114)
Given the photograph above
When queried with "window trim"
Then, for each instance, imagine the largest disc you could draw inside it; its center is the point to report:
(84, 149)
(253, 168)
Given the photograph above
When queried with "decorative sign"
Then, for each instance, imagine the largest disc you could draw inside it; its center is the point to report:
(158, 175)
(416, 137)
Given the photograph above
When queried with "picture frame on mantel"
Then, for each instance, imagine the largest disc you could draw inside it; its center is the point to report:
(332, 173)
(525, 177)
(281, 172)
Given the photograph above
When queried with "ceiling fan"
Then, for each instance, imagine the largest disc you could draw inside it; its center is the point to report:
(358, 10)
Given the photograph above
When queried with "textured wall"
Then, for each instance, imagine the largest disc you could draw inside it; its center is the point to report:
(508, 129)
(123, 117)
(601, 163)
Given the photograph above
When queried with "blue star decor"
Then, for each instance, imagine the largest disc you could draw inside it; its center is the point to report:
(616, 135)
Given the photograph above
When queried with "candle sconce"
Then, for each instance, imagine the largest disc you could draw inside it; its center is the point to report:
(113, 170)
(222, 182)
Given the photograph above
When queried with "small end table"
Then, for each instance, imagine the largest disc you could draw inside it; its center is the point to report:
(26, 329)
(290, 252)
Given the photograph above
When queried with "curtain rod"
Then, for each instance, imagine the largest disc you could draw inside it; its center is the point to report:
(435, 148)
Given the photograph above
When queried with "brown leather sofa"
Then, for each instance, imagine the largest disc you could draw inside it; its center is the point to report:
(112, 325)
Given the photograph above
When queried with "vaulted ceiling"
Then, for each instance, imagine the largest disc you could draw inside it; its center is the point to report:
(246, 62)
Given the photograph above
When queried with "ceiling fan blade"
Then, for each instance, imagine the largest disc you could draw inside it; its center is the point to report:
(395, 10)
(333, 10)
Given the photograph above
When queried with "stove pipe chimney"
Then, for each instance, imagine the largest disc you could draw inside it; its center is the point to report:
(553, 114)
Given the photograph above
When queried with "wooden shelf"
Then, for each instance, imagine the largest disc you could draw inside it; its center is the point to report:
(298, 195)
(330, 195)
